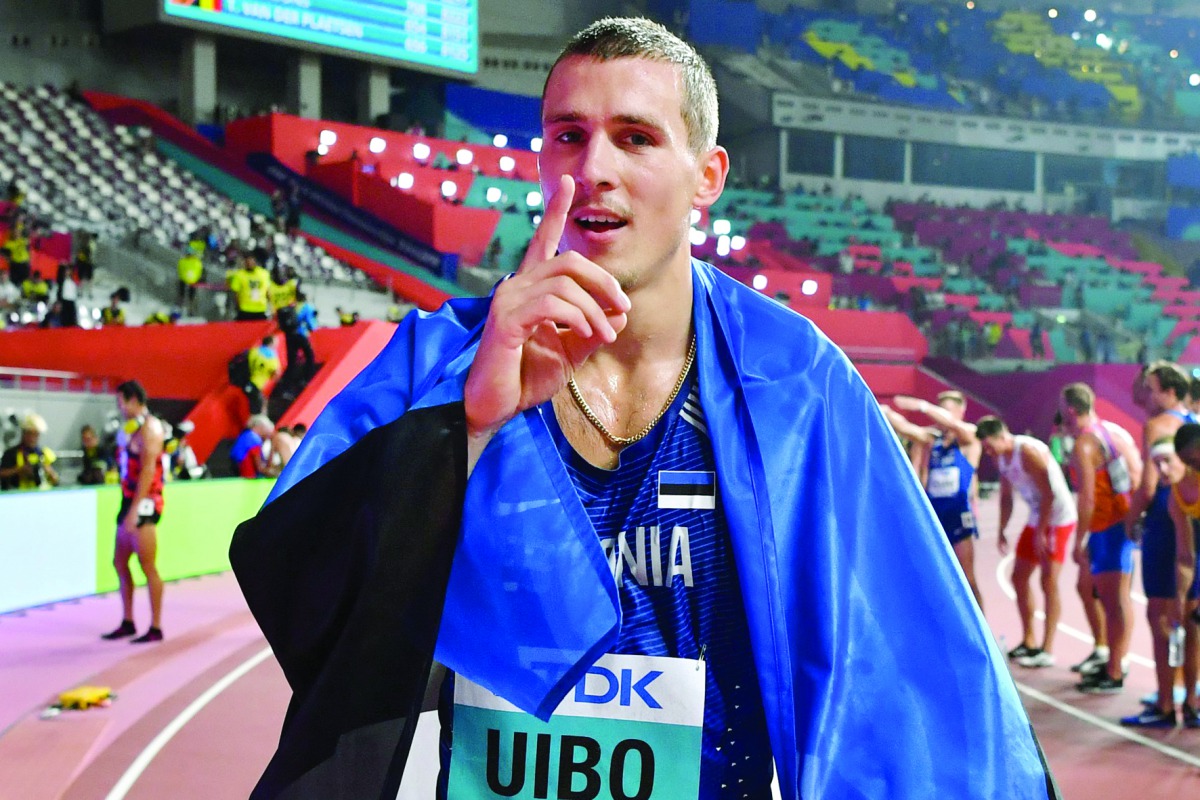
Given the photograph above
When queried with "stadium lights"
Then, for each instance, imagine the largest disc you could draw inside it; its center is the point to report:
(1052, 13)
(537, 219)
(404, 180)
(494, 194)
(721, 227)
(464, 157)
(1174, 54)
(759, 282)
(1104, 41)
(535, 144)
(448, 189)
(695, 216)
(1075, 37)
(697, 237)
(420, 151)
(1194, 79)
(377, 145)
(808, 288)
(507, 163)
(327, 138)
(737, 243)
(970, 5)
(533, 199)
(723, 246)
(499, 140)
(322, 149)
(1090, 15)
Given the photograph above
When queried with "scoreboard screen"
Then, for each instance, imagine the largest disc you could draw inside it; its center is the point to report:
(443, 34)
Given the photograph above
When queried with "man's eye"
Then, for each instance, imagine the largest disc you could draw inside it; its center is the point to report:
(639, 139)
(568, 137)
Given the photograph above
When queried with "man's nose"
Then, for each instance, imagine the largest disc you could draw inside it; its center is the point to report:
(597, 164)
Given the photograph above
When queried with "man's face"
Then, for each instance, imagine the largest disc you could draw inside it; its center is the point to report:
(617, 128)
(1169, 466)
(1191, 457)
(1069, 417)
(127, 407)
(1159, 399)
(996, 445)
(29, 437)
(956, 409)
(89, 439)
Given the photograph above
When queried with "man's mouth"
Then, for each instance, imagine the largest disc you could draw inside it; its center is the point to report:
(599, 223)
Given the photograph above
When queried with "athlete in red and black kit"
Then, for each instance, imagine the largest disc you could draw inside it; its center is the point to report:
(141, 509)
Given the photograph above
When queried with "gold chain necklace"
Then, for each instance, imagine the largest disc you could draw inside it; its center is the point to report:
(625, 441)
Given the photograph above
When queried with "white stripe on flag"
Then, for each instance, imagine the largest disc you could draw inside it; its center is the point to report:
(687, 501)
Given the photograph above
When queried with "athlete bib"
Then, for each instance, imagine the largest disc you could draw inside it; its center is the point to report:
(630, 729)
(943, 482)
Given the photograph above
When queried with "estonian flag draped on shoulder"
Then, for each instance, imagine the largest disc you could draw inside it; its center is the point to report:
(844, 570)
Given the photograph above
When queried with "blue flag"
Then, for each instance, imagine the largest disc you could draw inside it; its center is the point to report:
(844, 570)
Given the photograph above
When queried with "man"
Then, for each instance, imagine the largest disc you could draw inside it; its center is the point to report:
(249, 460)
(1185, 609)
(946, 465)
(284, 444)
(29, 465)
(297, 321)
(96, 462)
(263, 363)
(1105, 465)
(1159, 568)
(185, 466)
(1194, 395)
(249, 287)
(1027, 467)
(654, 495)
(114, 313)
(141, 511)
(17, 249)
(190, 270)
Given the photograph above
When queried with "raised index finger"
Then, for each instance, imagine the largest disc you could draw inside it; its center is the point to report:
(554, 221)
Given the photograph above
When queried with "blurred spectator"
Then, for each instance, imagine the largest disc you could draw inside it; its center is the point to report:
(1086, 349)
(263, 367)
(191, 272)
(184, 464)
(249, 286)
(28, 465)
(297, 322)
(85, 262)
(249, 460)
(162, 318)
(279, 208)
(35, 289)
(17, 251)
(114, 313)
(281, 292)
(346, 318)
(294, 203)
(96, 462)
(1036, 345)
(284, 444)
(67, 295)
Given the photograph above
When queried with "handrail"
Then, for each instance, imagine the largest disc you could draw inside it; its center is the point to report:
(44, 380)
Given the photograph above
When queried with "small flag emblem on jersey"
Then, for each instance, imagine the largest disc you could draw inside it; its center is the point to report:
(687, 489)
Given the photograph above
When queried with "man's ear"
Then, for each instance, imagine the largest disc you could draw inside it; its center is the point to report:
(714, 170)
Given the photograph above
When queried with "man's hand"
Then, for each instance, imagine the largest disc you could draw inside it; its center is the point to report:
(1081, 554)
(1041, 542)
(545, 321)
(130, 522)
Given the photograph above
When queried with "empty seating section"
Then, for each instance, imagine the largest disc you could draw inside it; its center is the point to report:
(1118, 67)
(83, 174)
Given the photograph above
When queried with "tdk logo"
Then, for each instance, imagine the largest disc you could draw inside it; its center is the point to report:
(601, 686)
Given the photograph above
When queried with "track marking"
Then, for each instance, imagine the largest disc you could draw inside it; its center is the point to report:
(1002, 573)
(1105, 725)
(156, 745)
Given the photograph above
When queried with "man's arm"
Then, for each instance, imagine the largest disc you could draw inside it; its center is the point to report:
(1035, 466)
(921, 438)
(1185, 558)
(152, 447)
(963, 430)
(1006, 504)
(48, 460)
(1086, 459)
(1143, 490)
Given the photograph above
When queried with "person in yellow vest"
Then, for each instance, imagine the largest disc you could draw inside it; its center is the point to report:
(113, 313)
(17, 250)
(249, 286)
(264, 365)
(282, 291)
(35, 289)
(28, 465)
(191, 270)
(85, 262)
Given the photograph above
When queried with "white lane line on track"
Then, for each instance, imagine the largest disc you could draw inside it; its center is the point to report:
(147, 755)
(1105, 725)
(1002, 577)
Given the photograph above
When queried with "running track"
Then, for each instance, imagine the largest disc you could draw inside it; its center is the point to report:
(197, 716)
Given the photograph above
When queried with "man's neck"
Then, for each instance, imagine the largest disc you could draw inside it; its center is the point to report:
(658, 327)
